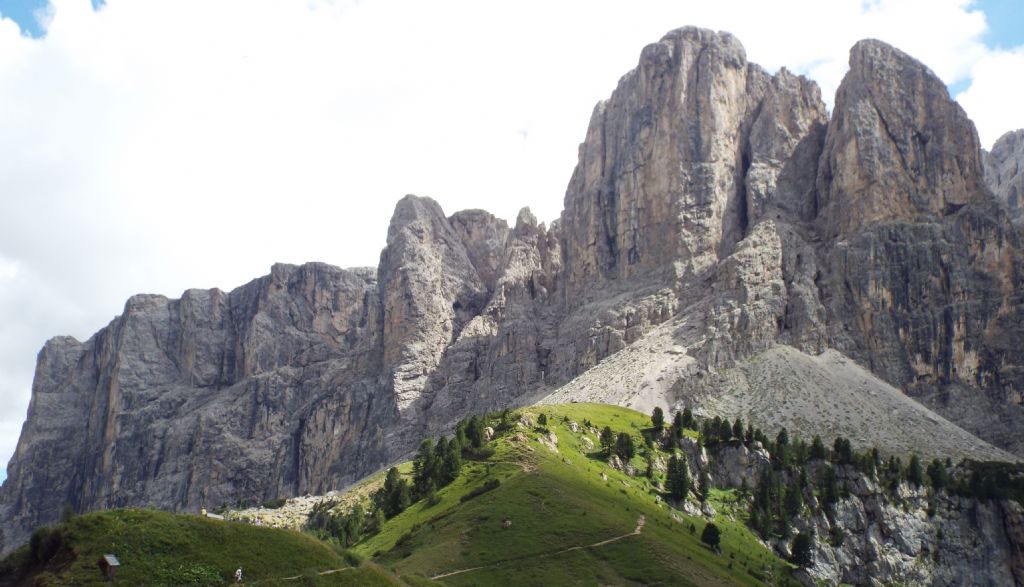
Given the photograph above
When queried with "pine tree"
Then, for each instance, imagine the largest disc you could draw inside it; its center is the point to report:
(937, 475)
(475, 432)
(354, 525)
(802, 550)
(378, 522)
(424, 467)
(452, 464)
(624, 446)
(703, 486)
(782, 438)
(711, 536)
(737, 429)
(748, 437)
(724, 430)
(843, 451)
(677, 478)
(829, 487)
(542, 420)
(677, 425)
(460, 433)
(914, 473)
(794, 501)
(505, 424)
(687, 418)
(818, 450)
(607, 440)
(658, 419)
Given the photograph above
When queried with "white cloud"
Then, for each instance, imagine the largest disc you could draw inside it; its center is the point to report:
(994, 97)
(157, 145)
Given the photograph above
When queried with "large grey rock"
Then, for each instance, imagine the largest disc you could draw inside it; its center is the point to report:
(921, 277)
(193, 402)
(1004, 172)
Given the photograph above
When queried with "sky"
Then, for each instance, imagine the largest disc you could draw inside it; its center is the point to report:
(159, 145)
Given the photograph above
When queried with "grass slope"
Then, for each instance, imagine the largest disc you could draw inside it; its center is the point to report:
(160, 548)
(561, 506)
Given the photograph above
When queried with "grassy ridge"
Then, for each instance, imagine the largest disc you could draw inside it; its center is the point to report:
(547, 517)
(557, 501)
(160, 548)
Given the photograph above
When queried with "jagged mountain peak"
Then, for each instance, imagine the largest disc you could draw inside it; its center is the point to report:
(899, 148)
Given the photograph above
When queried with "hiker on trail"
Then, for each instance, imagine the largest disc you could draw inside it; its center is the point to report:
(238, 575)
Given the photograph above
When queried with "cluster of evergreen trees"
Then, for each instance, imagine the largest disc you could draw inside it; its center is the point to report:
(436, 465)
(783, 489)
(718, 430)
(347, 528)
(620, 444)
(681, 421)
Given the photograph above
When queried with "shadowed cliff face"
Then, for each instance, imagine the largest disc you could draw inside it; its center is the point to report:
(1004, 172)
(712, 201)
(182, 403)
(923, 270)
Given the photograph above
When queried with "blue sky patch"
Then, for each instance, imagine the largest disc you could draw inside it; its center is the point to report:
(23, 12)
(1005, 23)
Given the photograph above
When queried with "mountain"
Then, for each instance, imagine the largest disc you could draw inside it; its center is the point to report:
(721, 236)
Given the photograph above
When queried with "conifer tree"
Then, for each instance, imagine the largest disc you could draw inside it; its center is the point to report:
(794, 501)
(703, 486)
(914, 473)
(688, 418)
(818, 450)
(677, 425)
(658, 419)
(677, 478)
(802, 550)
(711, 536)
(937, 475)
(624, 446)
(424, 467)
(607, 440)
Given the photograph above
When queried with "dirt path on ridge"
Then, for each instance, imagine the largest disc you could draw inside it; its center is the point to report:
(636, 532)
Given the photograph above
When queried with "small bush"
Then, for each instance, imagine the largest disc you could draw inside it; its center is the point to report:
(274, 504)
(44, 543)
(836, 537)
(488, 486)
(478, 454)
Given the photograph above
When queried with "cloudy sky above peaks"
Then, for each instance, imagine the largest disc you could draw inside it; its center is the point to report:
(158, 145)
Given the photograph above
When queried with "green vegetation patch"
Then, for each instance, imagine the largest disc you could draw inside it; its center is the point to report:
(160, 548)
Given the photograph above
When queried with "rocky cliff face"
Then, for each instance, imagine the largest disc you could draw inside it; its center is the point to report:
(715, 213)
(873, 235)
(1004, 172)
(881, 530)
(923, 270)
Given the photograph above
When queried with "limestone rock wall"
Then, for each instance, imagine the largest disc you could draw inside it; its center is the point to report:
(923, 271)
(1004, 172)
(181, 403)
